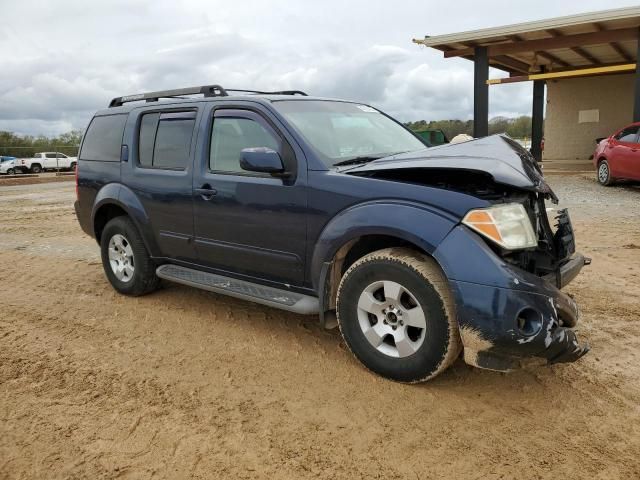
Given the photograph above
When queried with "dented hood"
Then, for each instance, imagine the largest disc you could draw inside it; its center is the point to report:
(498, 155)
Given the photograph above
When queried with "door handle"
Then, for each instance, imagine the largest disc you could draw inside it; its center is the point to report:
(206, 192)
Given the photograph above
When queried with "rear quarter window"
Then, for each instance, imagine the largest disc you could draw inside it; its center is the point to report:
(103, 139)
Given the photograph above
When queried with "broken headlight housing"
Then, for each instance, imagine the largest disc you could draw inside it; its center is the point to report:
(507, 225)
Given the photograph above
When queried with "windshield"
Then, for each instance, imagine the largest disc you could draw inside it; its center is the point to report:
(340, 131)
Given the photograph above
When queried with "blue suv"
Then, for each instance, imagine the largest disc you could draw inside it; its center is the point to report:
(333, 208)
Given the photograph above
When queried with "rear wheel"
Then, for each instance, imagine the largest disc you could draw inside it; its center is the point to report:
(604, 173)
(125, 259)
(72, 166)
(397, 315)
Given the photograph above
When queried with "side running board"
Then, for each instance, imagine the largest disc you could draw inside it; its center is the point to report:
(273, 297)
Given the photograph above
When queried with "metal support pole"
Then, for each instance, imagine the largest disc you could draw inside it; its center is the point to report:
(480, 92)
(636, 93)
(537, 118)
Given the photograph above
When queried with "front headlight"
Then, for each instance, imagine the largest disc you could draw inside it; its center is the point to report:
(507, 225)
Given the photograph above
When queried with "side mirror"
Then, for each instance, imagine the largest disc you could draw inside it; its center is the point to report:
(262, 160)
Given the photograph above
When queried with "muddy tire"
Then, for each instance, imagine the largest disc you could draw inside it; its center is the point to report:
(604, 173)
(36, 168)
(125, 259)
(397, 316)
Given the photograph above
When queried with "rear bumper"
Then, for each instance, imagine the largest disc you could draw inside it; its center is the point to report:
(504, 313)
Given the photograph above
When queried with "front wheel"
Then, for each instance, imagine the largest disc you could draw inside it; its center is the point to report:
(604, 173)
(11, 171)
(125, 259)
(397, 315)
(36, 169)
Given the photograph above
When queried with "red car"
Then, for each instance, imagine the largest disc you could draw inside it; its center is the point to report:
(618, 156)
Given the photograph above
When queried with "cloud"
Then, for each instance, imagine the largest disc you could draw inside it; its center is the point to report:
(63, 60)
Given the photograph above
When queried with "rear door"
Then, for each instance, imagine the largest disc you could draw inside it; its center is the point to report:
(49, 160)
(160, 174)
(251, 224)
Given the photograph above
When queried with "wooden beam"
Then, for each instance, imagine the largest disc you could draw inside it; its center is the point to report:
(549, 56)
(502, 62)
(616, 46)
(512, 63)
(554, 43)
(581, 72)
(579, 50)
(621, 51)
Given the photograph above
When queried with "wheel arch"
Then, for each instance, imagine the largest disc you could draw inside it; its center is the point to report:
(354, 234)
(115, 200)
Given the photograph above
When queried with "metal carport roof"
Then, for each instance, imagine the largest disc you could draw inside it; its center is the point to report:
(585, 40)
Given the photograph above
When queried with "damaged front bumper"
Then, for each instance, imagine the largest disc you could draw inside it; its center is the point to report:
(501, 326)
(504, 313)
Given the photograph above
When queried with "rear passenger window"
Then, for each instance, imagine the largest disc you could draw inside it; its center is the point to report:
(103, 138)
(165, 139)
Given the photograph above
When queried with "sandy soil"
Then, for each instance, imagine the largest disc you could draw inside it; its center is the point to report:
(12, 180)
(184, 383)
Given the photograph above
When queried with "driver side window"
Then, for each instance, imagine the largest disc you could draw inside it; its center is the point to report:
(628, 135)
(232, 134)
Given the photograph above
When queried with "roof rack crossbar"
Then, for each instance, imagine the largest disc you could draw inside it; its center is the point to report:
(207, 91)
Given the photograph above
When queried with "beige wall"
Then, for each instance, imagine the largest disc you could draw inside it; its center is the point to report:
(565, 138)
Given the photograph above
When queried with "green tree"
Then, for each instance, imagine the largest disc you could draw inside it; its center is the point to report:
(26, 145)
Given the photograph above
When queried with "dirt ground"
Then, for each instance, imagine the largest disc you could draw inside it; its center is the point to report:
(185, 383)
(12, 180)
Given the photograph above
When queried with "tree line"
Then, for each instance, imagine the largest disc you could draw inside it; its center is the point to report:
(12, 145)
(27, 145)
(519, 127)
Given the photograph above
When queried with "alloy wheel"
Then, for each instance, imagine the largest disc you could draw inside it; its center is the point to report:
(121, 258)
(603, 172)
(391, 319)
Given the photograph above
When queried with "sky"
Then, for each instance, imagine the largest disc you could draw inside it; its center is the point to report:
(63, 60)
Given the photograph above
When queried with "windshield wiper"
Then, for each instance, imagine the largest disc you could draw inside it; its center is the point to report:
(357, 160)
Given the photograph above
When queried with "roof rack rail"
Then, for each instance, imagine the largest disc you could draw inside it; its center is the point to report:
(207, 91)
(260, 92)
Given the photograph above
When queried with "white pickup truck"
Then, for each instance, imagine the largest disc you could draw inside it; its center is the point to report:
(46, 161)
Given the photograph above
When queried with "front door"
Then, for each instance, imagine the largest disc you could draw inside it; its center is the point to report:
(625, 152)
(251, 224)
